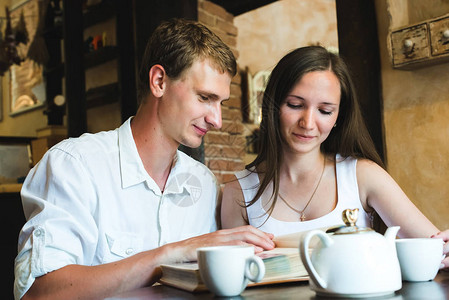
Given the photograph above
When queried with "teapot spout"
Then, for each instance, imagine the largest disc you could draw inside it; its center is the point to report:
(390, 234)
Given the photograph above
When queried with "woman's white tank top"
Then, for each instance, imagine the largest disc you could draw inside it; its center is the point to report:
(347, 197)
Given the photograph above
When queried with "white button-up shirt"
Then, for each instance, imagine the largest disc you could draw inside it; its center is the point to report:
(90, 201)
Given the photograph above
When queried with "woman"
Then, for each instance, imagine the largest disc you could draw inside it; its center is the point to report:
(316, 158)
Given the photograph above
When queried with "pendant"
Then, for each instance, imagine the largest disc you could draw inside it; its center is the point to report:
(302, 218)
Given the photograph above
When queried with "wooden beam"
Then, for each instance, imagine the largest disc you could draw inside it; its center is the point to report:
(359, 46)
(126, 59)
(74, 68)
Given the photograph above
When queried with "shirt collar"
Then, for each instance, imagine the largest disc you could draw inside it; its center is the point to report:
(131, 166)
(177, 178)
(133, 172)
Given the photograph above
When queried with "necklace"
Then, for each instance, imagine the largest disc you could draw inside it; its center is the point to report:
(302, 216)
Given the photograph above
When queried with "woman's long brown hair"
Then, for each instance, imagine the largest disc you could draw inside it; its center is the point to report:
(350, 138)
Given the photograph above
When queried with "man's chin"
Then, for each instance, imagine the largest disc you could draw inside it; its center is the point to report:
(192, 144)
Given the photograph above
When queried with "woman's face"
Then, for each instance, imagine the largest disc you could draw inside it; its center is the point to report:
(309, 112)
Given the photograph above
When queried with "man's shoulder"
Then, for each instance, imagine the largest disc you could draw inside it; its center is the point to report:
(88, 143)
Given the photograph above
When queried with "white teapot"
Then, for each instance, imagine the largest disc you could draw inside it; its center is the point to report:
(352, 262)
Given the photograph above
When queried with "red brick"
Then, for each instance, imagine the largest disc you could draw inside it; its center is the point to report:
(225, 148)
(232, 126)
(227, 27)
(224, 178)
(206, 19)
(233, 140)
(214, 9)
(225, 165)
(229, 40)
(212, 151)
(230, 18)
(214, 137)
(237, 79)
(228, 113)
(234, 102)
(236, 90)
(235, 52)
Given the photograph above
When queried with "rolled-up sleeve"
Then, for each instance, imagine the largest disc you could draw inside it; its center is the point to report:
(58, 201)
(90, 201)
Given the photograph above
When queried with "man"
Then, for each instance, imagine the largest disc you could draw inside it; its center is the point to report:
(105, 210)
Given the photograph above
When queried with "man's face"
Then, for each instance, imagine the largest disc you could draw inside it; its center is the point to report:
(191, 105)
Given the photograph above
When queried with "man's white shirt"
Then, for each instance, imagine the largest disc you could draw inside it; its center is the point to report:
(90, 201)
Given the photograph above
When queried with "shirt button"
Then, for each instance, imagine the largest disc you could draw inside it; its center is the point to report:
(38, 232)
(129, 251)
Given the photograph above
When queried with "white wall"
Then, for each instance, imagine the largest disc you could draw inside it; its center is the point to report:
(269, 32)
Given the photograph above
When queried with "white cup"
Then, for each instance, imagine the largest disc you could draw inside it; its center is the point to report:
(226, 270)
(419, 258)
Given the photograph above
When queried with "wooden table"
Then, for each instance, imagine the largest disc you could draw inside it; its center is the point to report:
(10, 187)
(437, 289)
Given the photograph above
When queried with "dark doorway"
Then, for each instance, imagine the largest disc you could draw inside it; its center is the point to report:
(359, 46)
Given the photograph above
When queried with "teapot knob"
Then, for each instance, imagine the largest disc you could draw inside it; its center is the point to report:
(349, 216)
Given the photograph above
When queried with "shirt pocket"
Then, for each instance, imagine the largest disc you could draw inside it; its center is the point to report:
(121, 245)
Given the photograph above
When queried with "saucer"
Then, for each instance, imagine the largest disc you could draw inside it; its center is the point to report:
(324, 293)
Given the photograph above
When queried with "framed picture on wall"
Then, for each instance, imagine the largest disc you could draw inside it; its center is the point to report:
(27, 86)
(1, 102)
(15, 159)
(254, 85)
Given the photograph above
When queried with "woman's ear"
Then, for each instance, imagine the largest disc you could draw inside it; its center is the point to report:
(157, 77)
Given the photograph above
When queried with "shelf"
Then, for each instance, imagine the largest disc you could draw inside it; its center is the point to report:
(53, 32)
(77, 59)
(98, 13)
(102, 95)
(91, 59)
(100, 56)
(15, 139)
(10, 188)
(421, 45)
(58, 69)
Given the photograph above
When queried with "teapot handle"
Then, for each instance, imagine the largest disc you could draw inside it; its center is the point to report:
(305, 257)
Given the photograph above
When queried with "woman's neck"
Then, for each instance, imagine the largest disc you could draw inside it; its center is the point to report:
(298, 167)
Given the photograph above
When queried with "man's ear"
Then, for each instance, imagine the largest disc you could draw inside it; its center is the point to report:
(157, 77)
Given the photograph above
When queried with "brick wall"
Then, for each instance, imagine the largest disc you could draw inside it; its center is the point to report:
(224, 149)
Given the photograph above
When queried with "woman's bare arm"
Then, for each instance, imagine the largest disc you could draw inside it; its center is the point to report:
(378, 190)
(233, 213)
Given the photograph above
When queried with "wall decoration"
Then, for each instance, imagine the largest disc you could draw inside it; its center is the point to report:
(27, 86)
(255, 88)
(1, 100)
(15, 161)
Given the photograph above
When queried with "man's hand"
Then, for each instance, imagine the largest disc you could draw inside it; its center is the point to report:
(244, 235)
(142, 269)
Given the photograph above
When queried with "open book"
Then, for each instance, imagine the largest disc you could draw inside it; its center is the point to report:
(292, 240)
(282, 264)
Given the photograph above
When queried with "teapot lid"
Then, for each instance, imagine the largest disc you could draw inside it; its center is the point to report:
(349, 217)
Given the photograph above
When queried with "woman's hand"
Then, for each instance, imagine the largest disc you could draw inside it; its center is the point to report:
(445, 236)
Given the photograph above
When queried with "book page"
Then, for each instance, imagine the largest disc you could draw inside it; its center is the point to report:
(292, 240)
(281, 265)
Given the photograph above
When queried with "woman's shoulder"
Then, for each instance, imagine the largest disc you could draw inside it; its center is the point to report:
(360, 161)
(370, 175)
(368, 165)
(242, 180)
(364, 169)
